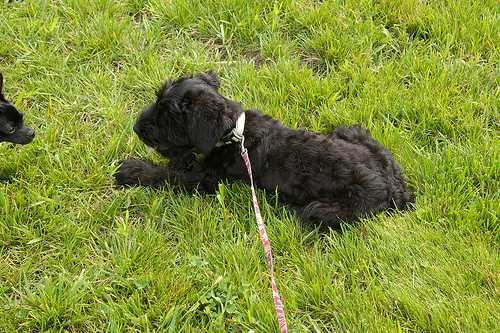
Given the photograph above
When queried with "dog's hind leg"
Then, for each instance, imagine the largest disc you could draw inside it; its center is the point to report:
(327, 213)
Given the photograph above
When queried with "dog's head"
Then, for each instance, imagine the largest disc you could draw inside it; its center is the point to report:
(188, 115)
(12, 127)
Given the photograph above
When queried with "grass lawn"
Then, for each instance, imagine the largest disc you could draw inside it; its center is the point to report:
(78, 254)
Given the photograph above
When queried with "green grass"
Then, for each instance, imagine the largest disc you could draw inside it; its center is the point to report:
(78, 254)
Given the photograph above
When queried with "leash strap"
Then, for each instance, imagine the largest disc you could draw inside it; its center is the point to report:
(266, 244)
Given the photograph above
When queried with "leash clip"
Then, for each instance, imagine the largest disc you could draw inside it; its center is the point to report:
(242, 146)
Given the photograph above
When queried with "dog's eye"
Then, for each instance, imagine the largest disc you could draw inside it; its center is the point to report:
(11, 130)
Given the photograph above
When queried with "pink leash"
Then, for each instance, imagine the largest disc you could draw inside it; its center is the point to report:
(278, 305)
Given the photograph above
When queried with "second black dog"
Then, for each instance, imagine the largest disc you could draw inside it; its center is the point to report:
(327, 179)
(12, 127)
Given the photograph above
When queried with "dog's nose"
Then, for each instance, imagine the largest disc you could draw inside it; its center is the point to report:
(30, 133)
(136, 129)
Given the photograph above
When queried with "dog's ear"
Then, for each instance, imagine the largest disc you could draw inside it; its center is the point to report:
(210, 78)
(207, 121)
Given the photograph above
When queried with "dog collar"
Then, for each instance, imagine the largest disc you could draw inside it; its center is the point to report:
(236, 134)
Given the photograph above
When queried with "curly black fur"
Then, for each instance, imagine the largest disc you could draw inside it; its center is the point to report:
(328, 179)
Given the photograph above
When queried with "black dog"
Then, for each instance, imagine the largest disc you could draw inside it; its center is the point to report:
(327, 179)
(12, 127)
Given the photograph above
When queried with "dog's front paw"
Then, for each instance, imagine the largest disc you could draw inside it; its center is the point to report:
(132, 172)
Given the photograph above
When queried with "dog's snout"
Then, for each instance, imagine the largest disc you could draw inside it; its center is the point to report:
(136, 129)
(30, 133)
